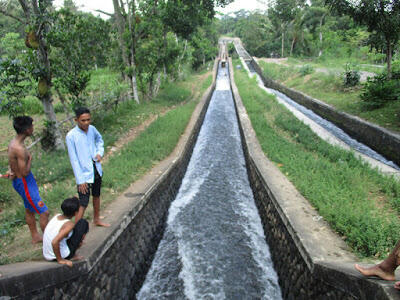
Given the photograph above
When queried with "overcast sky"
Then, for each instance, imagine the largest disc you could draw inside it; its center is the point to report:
(106, 5)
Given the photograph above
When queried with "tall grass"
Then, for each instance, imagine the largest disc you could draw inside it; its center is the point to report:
(358, 202)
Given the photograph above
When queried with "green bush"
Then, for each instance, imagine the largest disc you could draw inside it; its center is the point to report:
(305, 70)
(58, 108)
(31, 105)
(380, 90)
(351, 76)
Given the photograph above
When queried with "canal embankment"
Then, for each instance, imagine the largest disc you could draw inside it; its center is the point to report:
(311, 261)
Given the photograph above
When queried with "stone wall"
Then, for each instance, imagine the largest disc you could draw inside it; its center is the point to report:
(312, 262)
(118, 260)
(380, 139)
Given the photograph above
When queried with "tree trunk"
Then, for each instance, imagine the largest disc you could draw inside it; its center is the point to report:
(121, 24)
(283, 40)
(132, 28)
(43, 59)
(320, 34)
(157, 85)
(54, 127)
(389, 59)
(134, 83)
(294, 40)
(66, 110)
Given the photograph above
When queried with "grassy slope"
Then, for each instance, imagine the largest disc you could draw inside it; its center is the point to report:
(54, 173)
(359, 203)
(329, 88)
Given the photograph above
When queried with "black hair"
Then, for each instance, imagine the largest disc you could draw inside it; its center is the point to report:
(22, 123)
(70, 206)
(81, 110)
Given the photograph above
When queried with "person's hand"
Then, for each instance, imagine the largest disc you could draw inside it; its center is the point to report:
(83, 188)
(65, 262)
(98, 158)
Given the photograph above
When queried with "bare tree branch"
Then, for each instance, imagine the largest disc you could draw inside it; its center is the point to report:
(26, 9)
(12, 16)
(106, 13)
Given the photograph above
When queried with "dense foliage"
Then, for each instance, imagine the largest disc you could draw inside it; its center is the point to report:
(47, 51)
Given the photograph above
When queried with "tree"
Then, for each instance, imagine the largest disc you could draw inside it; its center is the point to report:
(77, 40)
(381, 17)
(13, 86)
(284, 12)
(36, 18)
(11, 18)
(134, 20)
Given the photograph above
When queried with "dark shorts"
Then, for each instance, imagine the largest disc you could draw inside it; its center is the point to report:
(27, 188)
(78, 233)
(93, 188)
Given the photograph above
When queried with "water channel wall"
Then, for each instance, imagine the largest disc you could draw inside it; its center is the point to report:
(380, 139)
(312, 262)
(118, 259)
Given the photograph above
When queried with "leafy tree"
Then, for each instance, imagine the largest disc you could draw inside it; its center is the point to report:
(12, 46)
(184, 16)
(36, 17)
(77, 40)
(13, 86)
(382, 17)
(282, 13)
(11, 18)
(204, 42)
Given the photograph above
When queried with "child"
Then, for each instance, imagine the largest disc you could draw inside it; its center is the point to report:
(62, 237)
(19, 160)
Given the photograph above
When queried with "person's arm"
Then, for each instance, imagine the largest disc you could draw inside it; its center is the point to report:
(55, 243)
(99, 144)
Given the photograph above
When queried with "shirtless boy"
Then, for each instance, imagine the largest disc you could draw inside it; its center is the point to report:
(19, 160)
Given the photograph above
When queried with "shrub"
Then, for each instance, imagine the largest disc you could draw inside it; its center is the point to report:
(351, 76)
(380, 90)
(31, 105)
(305, 70)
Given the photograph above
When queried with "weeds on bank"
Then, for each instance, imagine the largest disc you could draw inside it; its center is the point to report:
(359, 203)
(55, 177)
(329, 88)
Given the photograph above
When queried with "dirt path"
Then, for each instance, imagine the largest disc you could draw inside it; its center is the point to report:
(135, 131)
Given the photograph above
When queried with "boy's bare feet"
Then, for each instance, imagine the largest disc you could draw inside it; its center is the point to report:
(37, 239)
(77, 257)
(100, 223)
(376, 271)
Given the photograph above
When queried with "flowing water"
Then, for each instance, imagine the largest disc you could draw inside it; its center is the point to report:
(327, 125)
(214, 245)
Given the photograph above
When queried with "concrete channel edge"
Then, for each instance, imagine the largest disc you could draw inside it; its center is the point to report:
(311, 260)
(109, 271)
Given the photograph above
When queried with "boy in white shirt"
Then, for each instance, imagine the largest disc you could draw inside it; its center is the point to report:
(62, 237)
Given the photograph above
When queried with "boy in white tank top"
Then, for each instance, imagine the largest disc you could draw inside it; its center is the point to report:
(62, 237)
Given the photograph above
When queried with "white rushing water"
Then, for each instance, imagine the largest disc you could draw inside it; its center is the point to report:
(214, 245)
(329, 131)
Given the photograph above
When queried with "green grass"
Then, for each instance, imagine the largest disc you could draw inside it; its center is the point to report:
(329, 89)
(359, 203)
(54, 174)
